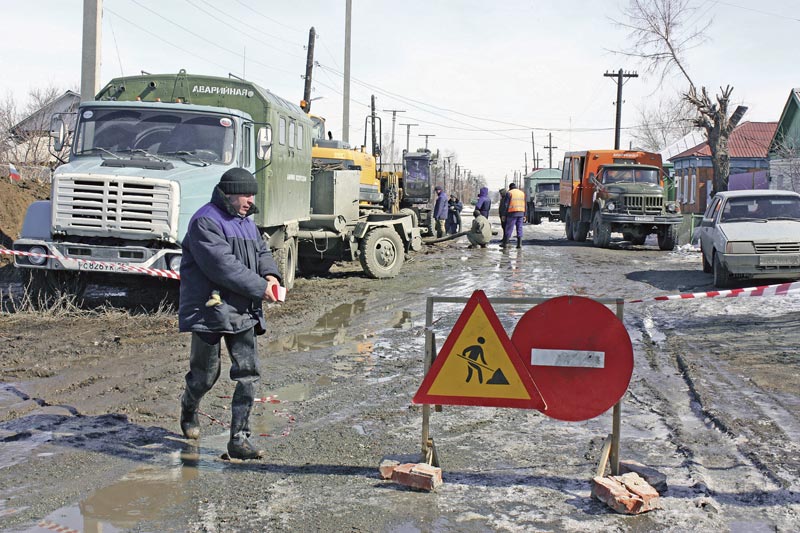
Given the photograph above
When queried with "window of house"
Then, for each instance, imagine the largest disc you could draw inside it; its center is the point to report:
(693, 187)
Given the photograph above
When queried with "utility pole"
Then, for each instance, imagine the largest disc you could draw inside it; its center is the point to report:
(91, 48)
(346, 89)
(408, 133)
(394, 113)
(448, 166)
(550, 148)
(619, 75)
(426, 135)
(533, 153)
(526, 162)
(312, 34)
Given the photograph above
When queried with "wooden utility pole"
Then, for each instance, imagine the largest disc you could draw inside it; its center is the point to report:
(535, 160)
(550, 148)
(312, 34)
(619, 75)
(426, 135)
(394, 113)
(91, 48)
(408, 133)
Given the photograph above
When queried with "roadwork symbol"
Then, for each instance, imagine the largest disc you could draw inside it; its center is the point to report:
(478, 365)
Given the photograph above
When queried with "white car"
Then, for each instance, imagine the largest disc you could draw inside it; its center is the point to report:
(751, 234)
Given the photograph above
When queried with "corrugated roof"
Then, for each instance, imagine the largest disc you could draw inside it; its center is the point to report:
(749, 139)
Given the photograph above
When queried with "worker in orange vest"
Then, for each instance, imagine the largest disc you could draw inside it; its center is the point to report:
(514, 201)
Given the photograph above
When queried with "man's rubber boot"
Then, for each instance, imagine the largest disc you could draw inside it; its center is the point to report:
(519, 242)
(190, 426)
(504, 243)
(243, 449)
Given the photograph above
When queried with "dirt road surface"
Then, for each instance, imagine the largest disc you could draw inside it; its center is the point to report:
(89, 437)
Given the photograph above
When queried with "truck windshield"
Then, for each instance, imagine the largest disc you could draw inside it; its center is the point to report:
(155, 132)
(630, 175)
(547, 187)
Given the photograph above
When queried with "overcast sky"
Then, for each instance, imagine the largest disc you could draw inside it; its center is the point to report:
(479, 76)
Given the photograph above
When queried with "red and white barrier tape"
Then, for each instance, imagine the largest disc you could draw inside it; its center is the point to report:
(52, 526)
(780, 289)
(171, 274)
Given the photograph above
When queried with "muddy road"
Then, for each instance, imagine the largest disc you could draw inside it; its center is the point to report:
(89, 437)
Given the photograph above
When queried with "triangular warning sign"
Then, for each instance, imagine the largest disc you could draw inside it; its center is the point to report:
(478, 365)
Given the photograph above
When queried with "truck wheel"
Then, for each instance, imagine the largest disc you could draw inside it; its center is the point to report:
(666, 239)
(45, 287)
(286, 259)
(722, 278)
(707, 268)
(413, 214)
(382, 254)
(580, 230)
(314, 266)
(568, 226)
(601, 231)
(537, 218)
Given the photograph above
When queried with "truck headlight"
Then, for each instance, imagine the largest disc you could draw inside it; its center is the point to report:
(672, 207)
(37, 260)
(739, 247)
(611, 205)
(174, 263)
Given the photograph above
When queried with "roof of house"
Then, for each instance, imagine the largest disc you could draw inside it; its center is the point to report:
(748, 140)
(39, 120)
(787, 116)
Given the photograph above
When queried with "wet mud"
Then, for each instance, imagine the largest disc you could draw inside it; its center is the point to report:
(89, 436)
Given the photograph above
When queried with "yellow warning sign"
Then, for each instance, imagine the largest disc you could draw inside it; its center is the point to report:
(478, 365)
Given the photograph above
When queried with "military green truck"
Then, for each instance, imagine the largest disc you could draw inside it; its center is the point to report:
(621, 191)
(541, 193)
(147, 153)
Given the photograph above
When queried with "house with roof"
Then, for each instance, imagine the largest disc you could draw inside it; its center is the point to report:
(748, 146)
(784, 149)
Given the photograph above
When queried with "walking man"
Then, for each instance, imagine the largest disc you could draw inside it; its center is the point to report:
(226, 273)
(515, 214)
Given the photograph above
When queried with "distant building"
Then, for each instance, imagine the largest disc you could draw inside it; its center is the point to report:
(784, 148)
(694, 174)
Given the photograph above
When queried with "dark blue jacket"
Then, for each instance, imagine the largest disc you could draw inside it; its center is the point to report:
(484, 203)
(440, 208)
(223, 251)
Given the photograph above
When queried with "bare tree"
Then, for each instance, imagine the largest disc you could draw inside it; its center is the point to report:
(661, 32)
(663, 124)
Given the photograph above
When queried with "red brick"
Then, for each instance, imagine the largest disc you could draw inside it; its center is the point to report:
(655, 478)
(420, 476)
(626, 494)
(387, 467)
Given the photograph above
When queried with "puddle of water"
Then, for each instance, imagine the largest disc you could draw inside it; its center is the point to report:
(142, 494)
(330, 330)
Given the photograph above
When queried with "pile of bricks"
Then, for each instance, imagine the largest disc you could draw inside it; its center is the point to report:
(629, 493)
(421, 476)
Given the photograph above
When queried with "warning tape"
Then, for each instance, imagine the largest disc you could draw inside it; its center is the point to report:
(52, 526)
(780, 289)
(157, 272)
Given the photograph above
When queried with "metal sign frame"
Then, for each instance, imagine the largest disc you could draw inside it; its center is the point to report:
(610, 448)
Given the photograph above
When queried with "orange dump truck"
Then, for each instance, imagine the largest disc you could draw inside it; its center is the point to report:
(622, 191)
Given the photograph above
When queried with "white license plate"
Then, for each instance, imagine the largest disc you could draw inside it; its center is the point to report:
(779, 260)
(101, 267)
(644, 219)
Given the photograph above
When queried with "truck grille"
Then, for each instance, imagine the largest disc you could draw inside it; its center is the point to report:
(777, 247)
(549, 200)
(114, 206)
(643, 205)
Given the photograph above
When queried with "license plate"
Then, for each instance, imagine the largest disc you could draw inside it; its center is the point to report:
(100, 267)
(779, 260)
(644, 219)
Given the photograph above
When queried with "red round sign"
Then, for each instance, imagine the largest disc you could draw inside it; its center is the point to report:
(579, 355)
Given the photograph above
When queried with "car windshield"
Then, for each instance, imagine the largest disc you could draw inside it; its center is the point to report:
(748, 209)
(630, 175)
(155, 132)
(547, 187)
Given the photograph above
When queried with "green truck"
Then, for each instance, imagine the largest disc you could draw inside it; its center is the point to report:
(541, 195)
(146, 154)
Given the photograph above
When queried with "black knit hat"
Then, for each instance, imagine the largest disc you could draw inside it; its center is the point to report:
(238, 181)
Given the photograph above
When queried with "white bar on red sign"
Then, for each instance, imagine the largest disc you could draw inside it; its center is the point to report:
(578, 358)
